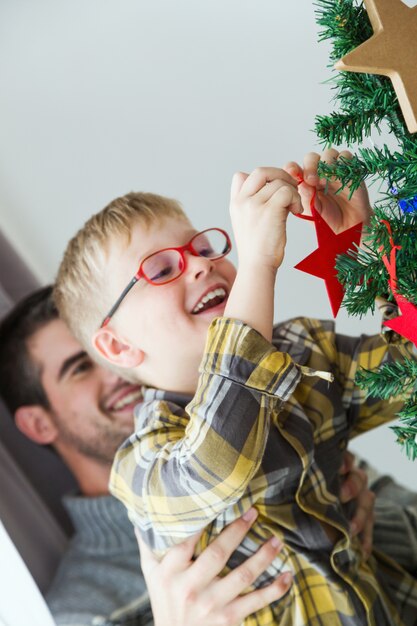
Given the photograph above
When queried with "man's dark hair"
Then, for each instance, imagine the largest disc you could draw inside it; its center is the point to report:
(19, 377)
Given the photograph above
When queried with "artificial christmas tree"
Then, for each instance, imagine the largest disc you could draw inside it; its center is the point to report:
(386, 264)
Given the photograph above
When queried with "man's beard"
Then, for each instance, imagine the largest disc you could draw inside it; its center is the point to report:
(100, 446)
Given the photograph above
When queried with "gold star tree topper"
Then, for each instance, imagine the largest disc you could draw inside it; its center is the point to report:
(391, 51)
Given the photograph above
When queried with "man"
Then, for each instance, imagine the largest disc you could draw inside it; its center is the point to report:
(60, 397)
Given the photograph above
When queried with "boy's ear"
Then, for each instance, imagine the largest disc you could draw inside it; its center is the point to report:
(35, 422)
(116, 350)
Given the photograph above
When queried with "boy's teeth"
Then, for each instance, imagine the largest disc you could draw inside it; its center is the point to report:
(216, 293)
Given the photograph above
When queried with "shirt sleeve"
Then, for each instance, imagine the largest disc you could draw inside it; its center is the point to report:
(366, 412)
(183, 467)
(345, 356)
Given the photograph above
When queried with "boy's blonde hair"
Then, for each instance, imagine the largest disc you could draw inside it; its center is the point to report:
(80, 288)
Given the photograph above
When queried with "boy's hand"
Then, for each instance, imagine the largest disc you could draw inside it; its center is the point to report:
(338, 211)
(184, 592)
(259, 207)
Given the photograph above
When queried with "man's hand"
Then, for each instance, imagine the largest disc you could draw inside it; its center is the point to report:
(184, 592)
(355, 487)
(338, 211)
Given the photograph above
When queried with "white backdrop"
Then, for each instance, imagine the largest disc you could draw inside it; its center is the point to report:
(100, 97)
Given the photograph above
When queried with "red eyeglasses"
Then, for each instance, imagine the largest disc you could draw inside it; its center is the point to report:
(165, 266)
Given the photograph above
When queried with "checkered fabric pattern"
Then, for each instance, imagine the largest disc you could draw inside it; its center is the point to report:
(266, 429)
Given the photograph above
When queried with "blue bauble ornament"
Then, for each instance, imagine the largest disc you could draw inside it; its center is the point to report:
(409, 205)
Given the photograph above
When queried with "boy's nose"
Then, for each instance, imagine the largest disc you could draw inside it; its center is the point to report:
(198, 266)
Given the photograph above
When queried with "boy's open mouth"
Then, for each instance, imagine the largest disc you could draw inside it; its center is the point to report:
(210, 300)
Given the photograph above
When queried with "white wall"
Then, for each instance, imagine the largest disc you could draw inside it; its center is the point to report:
(99, 97)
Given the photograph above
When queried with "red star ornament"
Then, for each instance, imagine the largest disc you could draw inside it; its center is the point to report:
(406, 323)
(322, 262)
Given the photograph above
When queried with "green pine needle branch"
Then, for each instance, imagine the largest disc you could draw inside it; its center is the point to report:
(390, 380)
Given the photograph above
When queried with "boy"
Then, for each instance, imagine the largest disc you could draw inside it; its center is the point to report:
(264, 432)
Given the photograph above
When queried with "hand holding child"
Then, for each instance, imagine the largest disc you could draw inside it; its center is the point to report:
(186, 592)
(355, 487)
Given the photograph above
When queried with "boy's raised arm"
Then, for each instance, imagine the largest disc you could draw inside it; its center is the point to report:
(259, 206)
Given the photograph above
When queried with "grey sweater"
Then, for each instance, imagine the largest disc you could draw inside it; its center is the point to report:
(99, 581)
(395, 529)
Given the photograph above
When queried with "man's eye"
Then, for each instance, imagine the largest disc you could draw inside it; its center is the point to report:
(82, 367)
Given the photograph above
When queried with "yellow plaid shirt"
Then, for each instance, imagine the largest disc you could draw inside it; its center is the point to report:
(262, 430)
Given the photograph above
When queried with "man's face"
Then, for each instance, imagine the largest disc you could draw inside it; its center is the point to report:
(167, 322)
(92, 408)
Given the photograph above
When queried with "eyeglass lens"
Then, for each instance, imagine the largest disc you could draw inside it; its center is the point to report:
(166, 265)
